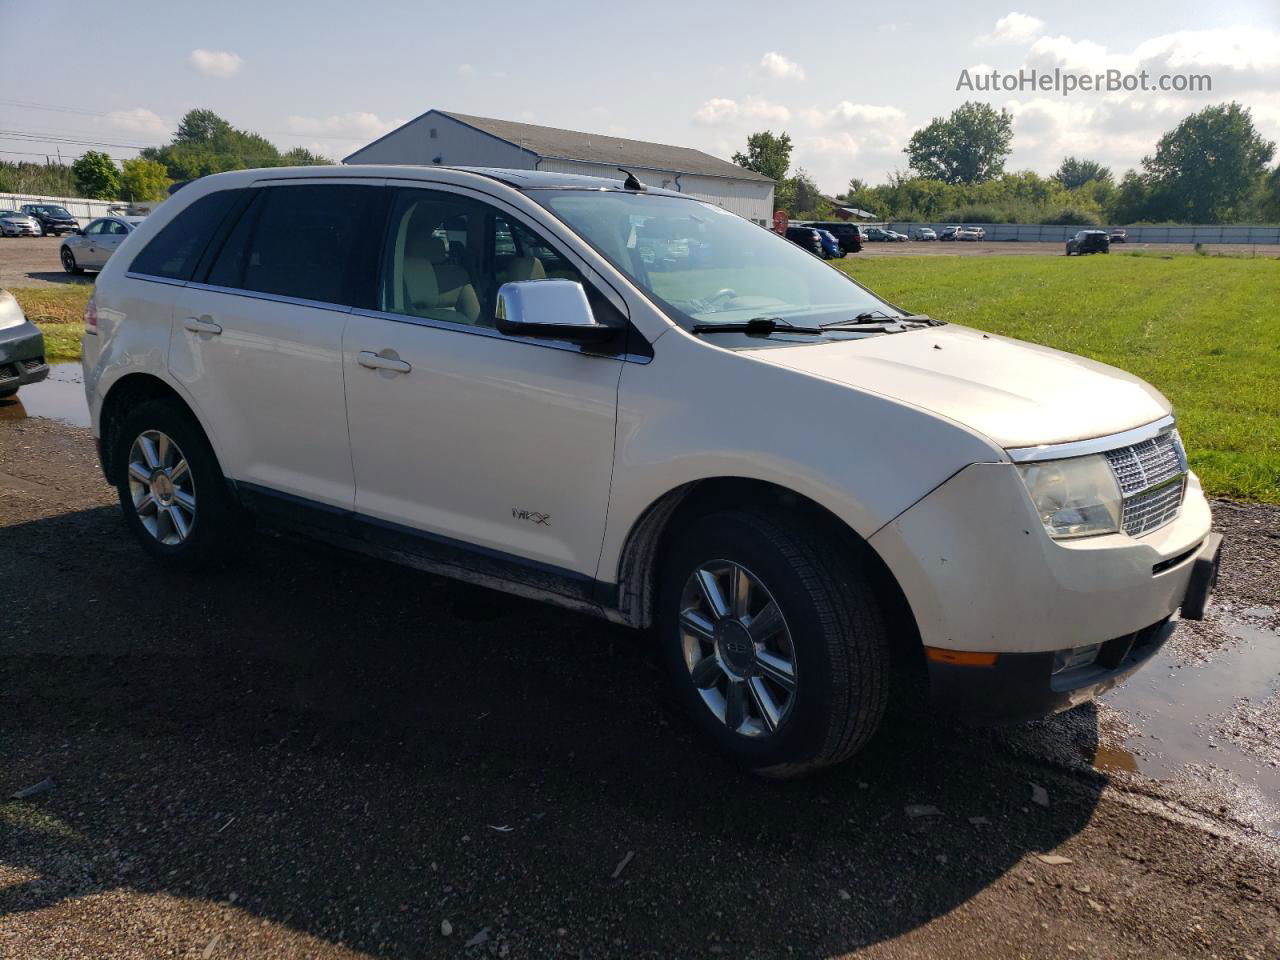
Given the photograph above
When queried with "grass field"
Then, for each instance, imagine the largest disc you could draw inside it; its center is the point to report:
(59, 313)
(1204, 330)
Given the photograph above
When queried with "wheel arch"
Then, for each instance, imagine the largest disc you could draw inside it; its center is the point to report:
(650, 535)
(125, 394)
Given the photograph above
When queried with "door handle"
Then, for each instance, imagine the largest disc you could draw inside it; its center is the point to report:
(367, 358)
(200, 325)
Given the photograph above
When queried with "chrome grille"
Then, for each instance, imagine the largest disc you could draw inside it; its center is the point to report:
(1144, 512)
(1152, 479)
(1149, 463)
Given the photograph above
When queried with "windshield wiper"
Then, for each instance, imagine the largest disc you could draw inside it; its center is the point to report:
(878, 318)
(758, 326)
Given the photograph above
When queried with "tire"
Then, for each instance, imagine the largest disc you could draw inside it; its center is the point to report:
(69, 261)
(832, 633)
(8, 392)
(214, 523)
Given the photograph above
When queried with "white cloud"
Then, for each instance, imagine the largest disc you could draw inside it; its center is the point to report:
(466, 70)
(780, 68)
(1014, 28)
(719, 111)
(357, 125)
(138, 120)
(216, 63)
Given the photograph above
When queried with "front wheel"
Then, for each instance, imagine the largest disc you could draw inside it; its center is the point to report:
(69, 261)
(172, 491)
(774, 641)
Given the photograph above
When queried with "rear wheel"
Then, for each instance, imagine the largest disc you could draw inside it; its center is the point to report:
(8, 392)
(69, 261)
(172, 492)
(775, 643)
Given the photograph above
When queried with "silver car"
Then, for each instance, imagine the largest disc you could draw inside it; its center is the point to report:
(14, 223)
(90, 248)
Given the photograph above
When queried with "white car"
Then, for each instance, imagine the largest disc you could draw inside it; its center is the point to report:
(971, 233)
(14, 223)
(92, 247)
(476, 372)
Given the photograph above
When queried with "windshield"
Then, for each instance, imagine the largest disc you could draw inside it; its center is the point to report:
(708, 265)
(51, 211)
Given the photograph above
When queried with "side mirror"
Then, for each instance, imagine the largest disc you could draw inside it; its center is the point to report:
(79, 231)
(551, 309)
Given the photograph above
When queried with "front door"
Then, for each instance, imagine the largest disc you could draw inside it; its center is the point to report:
(461, 436)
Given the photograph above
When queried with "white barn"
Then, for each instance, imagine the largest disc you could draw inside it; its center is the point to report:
(461, 140)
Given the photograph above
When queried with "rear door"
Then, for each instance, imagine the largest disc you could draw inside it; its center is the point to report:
(258, 336)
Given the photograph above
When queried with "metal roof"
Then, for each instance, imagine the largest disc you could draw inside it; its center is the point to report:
(553, 143)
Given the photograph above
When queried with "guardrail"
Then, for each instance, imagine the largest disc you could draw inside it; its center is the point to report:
(1059, 233)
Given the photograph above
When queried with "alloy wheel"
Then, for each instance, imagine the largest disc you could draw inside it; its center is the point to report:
(68, 260)
(162, 488)
(738, 648)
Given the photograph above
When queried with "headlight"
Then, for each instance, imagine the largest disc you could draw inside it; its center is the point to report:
(1075, 498)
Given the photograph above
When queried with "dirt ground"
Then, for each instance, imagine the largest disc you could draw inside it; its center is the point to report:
(316, 754)
(33, 261)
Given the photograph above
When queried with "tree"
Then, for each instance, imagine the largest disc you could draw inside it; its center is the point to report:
(1209, 167)
(767, 155)
(801, 197)
(1074, 173)
(969, 146)
(206, 143)
(95, 176)
(142, 179)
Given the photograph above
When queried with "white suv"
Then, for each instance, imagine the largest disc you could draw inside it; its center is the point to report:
(501, 376)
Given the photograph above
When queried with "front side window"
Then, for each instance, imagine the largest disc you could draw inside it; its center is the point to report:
(446, 256)
(297, 241)
(174, 251)
(114, 228)
(707, 265)
(95, 228)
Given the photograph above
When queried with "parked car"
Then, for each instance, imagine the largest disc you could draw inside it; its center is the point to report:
(923, 233)
(14, 223)
(971, 233)
(897, 237)
(831, 248)
(876, 234)
(1089, 241)
(53, 219)
(21, 348)
(948, 233)
(808, 238)
(847, 234)
(1119, 236)
(90, 248)
(760, 458)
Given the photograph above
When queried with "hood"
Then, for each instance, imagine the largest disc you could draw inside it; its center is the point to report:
(1017, 394)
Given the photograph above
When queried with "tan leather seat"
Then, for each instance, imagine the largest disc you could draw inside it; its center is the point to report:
(525, 268)
(433, 286)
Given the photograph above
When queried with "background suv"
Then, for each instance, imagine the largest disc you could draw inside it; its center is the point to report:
(1089, 241)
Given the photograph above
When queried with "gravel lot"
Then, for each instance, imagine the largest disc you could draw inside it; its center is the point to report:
(317, 754)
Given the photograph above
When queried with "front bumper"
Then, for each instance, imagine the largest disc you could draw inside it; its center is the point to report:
(980, 573)
(21, 356)
(1023, 686)
(19, 230)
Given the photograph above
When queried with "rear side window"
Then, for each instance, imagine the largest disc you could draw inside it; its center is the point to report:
(175, 250)
(299, 241)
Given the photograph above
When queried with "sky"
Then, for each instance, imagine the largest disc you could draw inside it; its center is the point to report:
(849, 82)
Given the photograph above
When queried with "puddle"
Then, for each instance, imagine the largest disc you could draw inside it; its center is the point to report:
(58, 397)
(1178, 710)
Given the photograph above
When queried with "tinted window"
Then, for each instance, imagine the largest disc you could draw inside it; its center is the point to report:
(175, 250)
(297, 241)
